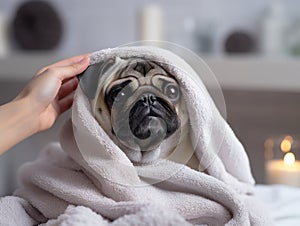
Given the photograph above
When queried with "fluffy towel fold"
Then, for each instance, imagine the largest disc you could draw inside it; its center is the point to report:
(88, 169)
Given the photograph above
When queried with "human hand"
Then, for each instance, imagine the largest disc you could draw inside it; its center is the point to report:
(50, 92)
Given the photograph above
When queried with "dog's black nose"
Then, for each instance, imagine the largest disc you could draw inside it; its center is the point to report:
(152, 115)
(148, 98)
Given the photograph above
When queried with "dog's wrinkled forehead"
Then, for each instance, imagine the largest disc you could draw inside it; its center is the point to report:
(140, 68)
(144, 71)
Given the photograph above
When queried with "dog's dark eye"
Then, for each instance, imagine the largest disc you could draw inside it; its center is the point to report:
(172, 91)
(117, 93)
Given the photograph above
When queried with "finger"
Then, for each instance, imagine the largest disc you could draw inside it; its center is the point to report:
(65, 62)
(65, 103)
(67, 87)
(70, 61)
(65, 72)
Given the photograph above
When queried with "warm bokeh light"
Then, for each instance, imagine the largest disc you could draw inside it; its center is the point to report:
(289, 159)
(286, 145)
(269, 144)
(289, 138)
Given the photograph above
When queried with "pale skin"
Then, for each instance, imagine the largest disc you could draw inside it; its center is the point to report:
(39, 104)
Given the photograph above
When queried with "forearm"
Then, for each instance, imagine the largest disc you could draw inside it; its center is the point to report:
(18, 121)
(46, 96)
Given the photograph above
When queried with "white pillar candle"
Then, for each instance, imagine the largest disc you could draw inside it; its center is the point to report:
(285, 171)
(151, 23)
(3, 36)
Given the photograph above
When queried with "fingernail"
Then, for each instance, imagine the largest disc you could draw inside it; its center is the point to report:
(84, 60)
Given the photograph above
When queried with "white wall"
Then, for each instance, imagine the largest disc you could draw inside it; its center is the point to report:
(95, 24)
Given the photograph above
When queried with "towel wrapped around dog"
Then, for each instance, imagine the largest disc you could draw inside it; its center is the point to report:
(145, 145)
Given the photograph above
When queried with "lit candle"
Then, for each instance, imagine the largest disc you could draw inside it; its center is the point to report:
(286, 171)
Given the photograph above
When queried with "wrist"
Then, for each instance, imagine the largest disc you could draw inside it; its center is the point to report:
(17, 123)
(30, 114)
(27, 115)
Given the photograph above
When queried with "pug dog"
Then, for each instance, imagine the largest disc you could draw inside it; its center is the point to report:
(140, 106)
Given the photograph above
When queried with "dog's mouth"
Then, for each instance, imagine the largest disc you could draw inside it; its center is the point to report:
(150, 121)
(150, 116)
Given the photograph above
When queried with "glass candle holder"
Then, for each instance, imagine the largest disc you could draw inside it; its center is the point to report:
(281, 163)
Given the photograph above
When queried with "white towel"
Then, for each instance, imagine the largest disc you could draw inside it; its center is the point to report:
(89, 169)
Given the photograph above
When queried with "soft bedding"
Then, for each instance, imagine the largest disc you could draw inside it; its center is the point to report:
(282, 201)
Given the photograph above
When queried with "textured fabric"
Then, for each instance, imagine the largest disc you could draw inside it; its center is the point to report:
(88, 169)
(283, 202)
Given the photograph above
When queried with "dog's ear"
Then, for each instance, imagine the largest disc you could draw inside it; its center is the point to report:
(89, 79)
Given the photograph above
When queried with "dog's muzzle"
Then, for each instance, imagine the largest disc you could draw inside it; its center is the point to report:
(151, 116)
(146, 123)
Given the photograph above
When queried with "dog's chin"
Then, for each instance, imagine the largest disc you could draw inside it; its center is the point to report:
(143, 157)
(141, 151)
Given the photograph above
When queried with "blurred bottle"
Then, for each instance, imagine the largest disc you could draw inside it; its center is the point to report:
(205, 35)
(273, 28)
(293, 38)
(199, 35)
(151, 23)
(189, 37)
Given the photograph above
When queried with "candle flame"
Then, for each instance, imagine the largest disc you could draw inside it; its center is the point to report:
(289, 159)
(290, 138)
(286, 145)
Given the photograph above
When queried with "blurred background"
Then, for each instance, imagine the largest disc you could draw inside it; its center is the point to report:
(253, 47)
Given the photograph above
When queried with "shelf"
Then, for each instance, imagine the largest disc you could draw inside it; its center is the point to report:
(232, 72)
(257, 73)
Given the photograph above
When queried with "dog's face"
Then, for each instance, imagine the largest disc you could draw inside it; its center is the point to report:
(139, 109)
